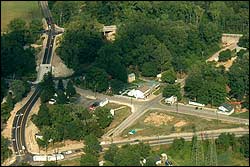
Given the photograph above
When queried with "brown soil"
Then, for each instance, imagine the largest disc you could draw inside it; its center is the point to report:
(7, 131)
(60, 69)
(158, 119)
(180, 124)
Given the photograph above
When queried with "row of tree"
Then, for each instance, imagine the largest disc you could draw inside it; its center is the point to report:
(61, 122)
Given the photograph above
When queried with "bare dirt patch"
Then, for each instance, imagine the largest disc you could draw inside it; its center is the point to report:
(60, 69)
(158, 119)
(7, 131)
(180, 124)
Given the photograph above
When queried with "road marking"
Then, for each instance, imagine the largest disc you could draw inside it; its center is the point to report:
(36, 93)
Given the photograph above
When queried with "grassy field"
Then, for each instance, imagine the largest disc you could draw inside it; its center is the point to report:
(73, 162)
(241, 115)
(147, 129)
(182, 158)
(26, 10)
(158, 91)
(119, 116)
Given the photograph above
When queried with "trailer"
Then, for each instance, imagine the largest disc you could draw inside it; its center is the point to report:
(53, 157)
(196, 104)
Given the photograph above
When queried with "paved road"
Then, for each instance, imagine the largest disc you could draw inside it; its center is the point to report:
(158, 140)
(19, 123)
(215, 56)
(140, 107)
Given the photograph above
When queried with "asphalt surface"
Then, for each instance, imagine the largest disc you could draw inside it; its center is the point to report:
(19, 123)
(140, 107)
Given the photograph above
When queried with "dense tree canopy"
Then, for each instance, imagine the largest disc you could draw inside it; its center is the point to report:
(206, 85)
(238, 77)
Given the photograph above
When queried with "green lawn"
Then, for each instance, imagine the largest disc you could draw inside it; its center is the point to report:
(119, 116)
(26, 10)
(182, 157)
(146, 129)
(241, 115)
(73, 162)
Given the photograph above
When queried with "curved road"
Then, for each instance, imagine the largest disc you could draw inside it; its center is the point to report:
(19, 123)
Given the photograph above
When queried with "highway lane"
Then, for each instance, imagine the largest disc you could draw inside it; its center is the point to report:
(19, 122)
(18, 127)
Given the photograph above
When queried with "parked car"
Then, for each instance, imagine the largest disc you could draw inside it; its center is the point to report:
(94, 106)
(52, 101)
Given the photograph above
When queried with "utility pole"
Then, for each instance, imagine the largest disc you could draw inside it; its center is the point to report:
(177, 105)
(197, 154)
(211, 158)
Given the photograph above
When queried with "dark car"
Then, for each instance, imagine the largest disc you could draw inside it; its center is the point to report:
(94, 106)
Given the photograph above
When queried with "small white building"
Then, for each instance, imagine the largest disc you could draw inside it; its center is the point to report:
(131, 77)
(158, 76)
(140, 93)
(226, 109)
(171, 100)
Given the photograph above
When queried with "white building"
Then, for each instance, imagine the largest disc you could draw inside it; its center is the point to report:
(226, 109)
(171, 100)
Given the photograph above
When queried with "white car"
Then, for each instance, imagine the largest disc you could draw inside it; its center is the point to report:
(52, 101)
(68, 152)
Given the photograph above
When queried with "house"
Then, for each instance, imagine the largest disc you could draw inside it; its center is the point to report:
(171, 100)
(158, 76)
(144, 90)
(109, 32)
(131, 77)
(226, 109)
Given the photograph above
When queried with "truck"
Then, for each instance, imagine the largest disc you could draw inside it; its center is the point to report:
(103, 102)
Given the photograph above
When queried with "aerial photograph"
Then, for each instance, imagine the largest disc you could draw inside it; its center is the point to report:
(124, 83)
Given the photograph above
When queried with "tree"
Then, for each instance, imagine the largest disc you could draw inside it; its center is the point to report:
(18, 89)
(5, 151)
(61, 97)
(172, 90)
(225, 55)
(97, 79)
(70, 89)
(110, 154)
(17, 24)
(104, 117)
(238, 77)
(109, 59)
(48, 87)
(169, 76)
(89, 160)
(244, 41)
(206, 84)
(178, 144)
(223, 141)
(92, 145)
(43, 117)
(149, 70)
(127, 156)
(244, 145)
(60, 85)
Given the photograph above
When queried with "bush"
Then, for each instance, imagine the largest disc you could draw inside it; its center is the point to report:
(225, 55)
